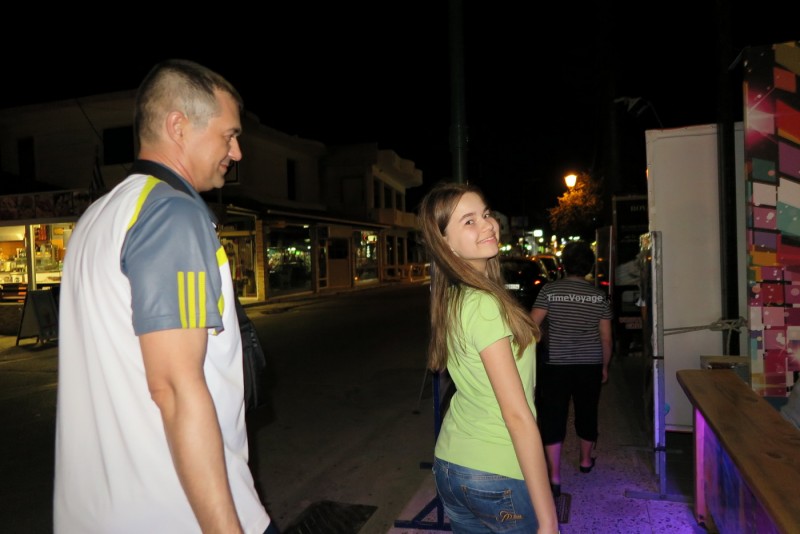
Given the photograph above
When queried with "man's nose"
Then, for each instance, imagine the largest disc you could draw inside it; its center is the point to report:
(235, 152)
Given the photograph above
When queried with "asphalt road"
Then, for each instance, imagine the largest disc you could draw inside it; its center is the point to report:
(349, 424)
(28, 380)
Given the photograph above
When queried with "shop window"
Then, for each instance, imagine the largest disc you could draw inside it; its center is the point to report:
(365, 245)
(47, 253)
(241, 258)
(289, 258)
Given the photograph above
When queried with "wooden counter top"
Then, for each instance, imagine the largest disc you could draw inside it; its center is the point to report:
(763, 445)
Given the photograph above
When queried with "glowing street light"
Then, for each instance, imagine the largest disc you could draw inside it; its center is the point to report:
(570, 180)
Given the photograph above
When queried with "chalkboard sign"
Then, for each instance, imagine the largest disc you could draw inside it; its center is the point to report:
(39, 317)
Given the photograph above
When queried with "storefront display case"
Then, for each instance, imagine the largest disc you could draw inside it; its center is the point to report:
(31, 257)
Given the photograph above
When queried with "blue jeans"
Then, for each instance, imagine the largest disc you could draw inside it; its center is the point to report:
(477, 502)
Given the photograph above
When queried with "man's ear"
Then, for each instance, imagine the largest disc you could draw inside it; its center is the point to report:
(176, 123)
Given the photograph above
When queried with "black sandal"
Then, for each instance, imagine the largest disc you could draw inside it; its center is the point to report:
(587, 469)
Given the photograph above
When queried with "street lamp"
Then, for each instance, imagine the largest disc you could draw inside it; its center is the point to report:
(570, 180)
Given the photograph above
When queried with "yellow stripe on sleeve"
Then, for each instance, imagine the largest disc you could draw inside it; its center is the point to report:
(182, 299)
(201, 296)
(192, 299)
(192, 294)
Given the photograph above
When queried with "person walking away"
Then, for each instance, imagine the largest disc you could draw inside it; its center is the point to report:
(489, 463)
(579, 352)
(150, 426)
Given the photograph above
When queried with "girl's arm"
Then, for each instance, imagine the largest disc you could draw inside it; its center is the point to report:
(501, 368)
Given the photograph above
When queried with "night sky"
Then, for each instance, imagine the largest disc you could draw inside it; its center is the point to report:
(537, 82)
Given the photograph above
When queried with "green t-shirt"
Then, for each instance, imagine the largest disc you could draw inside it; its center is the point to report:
(473, 433)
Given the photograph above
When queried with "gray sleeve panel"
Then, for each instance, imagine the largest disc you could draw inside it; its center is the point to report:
(170, 258)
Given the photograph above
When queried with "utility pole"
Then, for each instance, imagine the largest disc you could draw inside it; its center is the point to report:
(727, 173)
(458, 130)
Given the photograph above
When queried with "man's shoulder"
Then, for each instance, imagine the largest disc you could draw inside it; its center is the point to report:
(152, 189)
(156, 203)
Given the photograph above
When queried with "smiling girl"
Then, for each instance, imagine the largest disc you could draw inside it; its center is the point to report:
(489, 464)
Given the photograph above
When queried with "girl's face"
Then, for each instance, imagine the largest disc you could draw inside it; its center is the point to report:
(472, 232)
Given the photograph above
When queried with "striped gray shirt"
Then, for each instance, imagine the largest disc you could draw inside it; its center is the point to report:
(574, 310)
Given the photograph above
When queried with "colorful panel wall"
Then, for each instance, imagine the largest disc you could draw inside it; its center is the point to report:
(772, 166)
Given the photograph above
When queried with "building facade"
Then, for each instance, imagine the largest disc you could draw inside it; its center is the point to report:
(296, 215)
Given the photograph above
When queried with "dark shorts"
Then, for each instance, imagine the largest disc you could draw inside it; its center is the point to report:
(556, 386)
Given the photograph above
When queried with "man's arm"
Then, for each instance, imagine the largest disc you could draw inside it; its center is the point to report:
(173, 361)
(606, 342)
(538, 315)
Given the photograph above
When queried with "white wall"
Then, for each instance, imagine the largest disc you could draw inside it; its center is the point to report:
(683, 203)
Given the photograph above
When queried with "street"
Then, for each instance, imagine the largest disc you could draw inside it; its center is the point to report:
(348, 374)
(349, 424)
(28, 379)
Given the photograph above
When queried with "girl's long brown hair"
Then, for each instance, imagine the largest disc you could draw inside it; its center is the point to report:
(451, 275)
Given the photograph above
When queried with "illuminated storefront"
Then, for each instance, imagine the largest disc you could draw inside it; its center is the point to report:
(240, 236)
(267, 257)
(366, 255)
(31, 256)
(289, 258)
(34, 236)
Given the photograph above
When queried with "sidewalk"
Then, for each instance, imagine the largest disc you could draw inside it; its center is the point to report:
(621, 494)
(10, 350)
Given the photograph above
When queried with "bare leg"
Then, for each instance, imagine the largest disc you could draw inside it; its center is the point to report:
(553, 453)
(586, 453)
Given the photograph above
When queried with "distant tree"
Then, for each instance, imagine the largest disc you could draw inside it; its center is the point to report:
(578, 209)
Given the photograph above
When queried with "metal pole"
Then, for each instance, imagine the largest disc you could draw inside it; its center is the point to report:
(458, 130)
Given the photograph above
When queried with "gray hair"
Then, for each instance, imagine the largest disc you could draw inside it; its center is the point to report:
(178, 85)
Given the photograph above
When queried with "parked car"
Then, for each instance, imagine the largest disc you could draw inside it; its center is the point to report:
(553, 264)
(524, 278)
